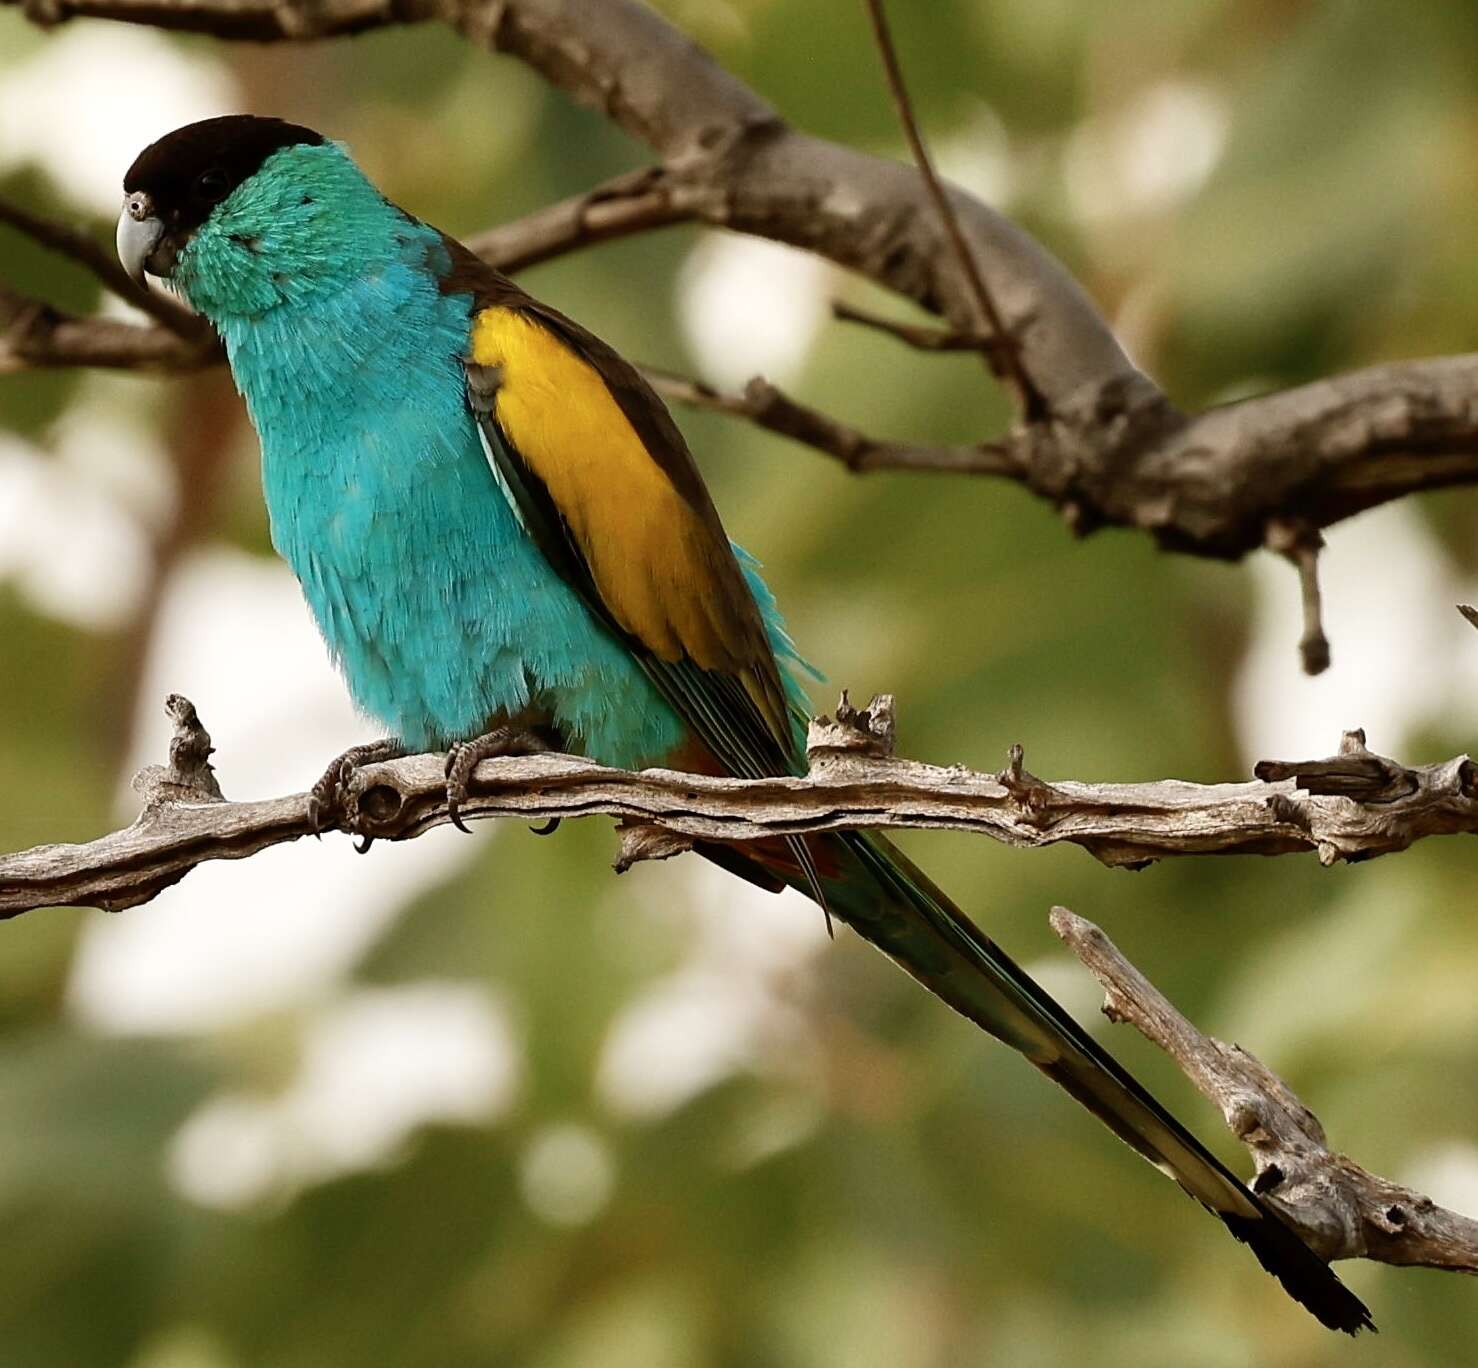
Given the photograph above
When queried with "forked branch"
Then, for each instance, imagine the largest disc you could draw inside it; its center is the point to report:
(1341, 1210)
(1005, 358)
(1113, 451)
(80, 246)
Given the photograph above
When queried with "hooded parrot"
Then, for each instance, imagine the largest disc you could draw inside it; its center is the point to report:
(507, 546)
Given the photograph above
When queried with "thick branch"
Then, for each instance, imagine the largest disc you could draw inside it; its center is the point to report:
(1115, 451)
(1370, 806)
(731, 159)
(1212, 483)
(1339, 1209)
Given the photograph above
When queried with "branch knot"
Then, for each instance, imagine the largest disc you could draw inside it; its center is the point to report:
(1356, 772)
(189, 777)
(855, 732)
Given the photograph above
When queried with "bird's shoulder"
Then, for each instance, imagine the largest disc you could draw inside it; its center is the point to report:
(509, 324)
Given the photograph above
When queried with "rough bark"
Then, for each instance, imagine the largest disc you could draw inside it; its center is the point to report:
(1347, 807)
(1339, 1209)
(1109, 447)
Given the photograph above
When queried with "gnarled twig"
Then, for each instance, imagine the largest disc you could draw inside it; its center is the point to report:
(1338, 1208)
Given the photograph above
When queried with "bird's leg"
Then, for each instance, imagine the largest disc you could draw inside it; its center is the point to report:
(464, 757)
(326, 797)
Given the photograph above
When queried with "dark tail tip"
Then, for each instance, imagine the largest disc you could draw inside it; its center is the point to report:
(1304, 1275)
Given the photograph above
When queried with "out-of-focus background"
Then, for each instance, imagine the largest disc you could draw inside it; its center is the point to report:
(475, 1101)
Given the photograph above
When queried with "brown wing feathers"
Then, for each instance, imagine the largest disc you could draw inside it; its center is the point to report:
(592, 457)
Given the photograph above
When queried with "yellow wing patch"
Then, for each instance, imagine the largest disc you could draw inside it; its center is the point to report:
(657, 565)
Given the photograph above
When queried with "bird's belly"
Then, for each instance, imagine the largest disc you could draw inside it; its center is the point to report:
(444, 617)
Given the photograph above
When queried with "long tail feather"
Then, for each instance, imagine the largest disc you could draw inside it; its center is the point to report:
(890, 902)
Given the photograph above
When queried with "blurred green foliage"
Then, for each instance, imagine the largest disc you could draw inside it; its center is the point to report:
(945, 1205)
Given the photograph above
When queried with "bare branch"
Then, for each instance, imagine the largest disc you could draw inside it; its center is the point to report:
(853, 782)
(1116, 453)
(1269, 471)
(1210, 486)
(766, 407)
(1110, 449)
(634, 203)
(34, 334)
(85, 249)
(921, 338)
(730, 160)
(1005, 358)
(1338, 1208)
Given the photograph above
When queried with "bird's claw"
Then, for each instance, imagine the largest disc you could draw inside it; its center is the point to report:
(463, 758)
(457, 770)
(326, 799)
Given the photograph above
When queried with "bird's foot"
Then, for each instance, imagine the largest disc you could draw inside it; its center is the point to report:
(326, 797)
(465, 756)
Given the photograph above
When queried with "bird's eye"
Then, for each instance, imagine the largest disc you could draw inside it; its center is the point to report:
(212, 185)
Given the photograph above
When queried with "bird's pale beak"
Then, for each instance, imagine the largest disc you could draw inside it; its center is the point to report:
(139, 236)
